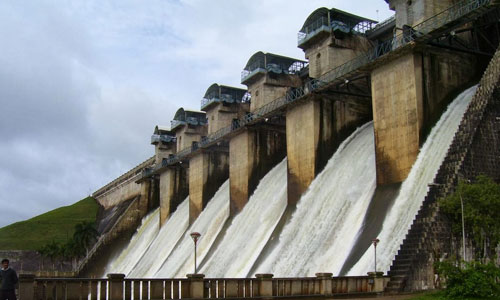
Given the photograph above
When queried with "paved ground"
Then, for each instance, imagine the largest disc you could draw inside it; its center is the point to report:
(395, 297)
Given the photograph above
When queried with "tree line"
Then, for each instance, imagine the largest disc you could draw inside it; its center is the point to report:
(73, 249)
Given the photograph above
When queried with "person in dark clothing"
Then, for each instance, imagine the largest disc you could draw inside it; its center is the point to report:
(8, 277)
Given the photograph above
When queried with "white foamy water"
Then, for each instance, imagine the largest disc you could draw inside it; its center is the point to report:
(209, 224)
(251, 228)
(415, 188)
(322, 230)
(164, 242)
(139, 242)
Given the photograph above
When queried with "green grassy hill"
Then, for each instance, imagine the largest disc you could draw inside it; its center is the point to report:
(56, 225)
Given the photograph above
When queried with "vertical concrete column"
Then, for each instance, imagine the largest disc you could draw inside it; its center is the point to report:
(398, 116)
(196, 286)
(116, 286)
(144, 196)
(265, 285)
(173, 190)
(325, 284)
(26, 286)
(302, 137)
(242, 157)
(207, 172)
(377, 281)
(252, 153)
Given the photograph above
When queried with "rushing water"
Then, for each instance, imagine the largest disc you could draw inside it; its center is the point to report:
(163, 244)
(415, 187)
(322, 229)
(251, 228)
(209, 224)
(140, 241)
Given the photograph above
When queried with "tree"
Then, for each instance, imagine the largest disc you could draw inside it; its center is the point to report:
(85, 234)
(481, 206)
(72, 251)
(52, 251)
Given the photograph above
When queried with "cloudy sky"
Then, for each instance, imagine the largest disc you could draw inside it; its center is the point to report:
(84, 82)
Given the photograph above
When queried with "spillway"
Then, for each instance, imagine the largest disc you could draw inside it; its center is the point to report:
(415, 187)
(163, 243)
(140, 241)
(251, 228)
(322, 229)
(209, 224)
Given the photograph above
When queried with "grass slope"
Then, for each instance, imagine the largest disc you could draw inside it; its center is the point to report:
(56, 225)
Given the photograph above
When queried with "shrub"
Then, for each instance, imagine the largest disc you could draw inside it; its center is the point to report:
(473, 280)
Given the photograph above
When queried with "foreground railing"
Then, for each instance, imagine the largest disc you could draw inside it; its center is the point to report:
(117, 287)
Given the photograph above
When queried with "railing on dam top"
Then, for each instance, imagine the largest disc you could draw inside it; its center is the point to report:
(420, 32)
(130, 176)
(117, 287)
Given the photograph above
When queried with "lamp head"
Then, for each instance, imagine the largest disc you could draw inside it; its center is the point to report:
(195, 236)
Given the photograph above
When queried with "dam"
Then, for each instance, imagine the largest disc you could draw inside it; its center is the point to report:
(296, 174)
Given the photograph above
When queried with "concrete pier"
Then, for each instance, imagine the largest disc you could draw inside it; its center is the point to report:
(314, 130)
(174, 188)
(208, 170)
(252, 153)
(189, 127)
(409, 93)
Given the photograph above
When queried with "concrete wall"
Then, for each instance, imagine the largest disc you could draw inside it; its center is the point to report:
(270, 87)
(409, 94)
(187, 134)
(123, 187)
(163, 151)
(398, 116)
(221, 115)
(252, 153)
(126, 190)
(207, 172)
(416, 11)
(330, 52)
(124, 226)
(314, 129)
(174, 189)
(474, 150)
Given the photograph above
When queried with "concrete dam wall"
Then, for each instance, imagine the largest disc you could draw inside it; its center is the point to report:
(400, 75)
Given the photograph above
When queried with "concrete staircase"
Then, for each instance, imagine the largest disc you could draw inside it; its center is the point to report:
(429, 235)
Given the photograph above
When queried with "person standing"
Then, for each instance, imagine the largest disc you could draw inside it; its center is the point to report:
(8, 277)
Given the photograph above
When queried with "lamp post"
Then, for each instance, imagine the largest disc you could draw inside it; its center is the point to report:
(463, 221)
(462, 210)
(195, 236)
(375, 242)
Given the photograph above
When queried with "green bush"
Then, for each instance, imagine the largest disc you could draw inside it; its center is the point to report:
(473, 280)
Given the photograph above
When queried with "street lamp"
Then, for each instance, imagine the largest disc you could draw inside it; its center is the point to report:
(195, 236)
(375, 242)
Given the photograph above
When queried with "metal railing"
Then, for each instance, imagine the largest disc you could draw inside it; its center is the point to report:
(418, 32)
(385, 22)
(312, 30)
(156, 138)
(260, 67)
(322, 25)
(205, 102)
(123, 179)
(175, 123)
